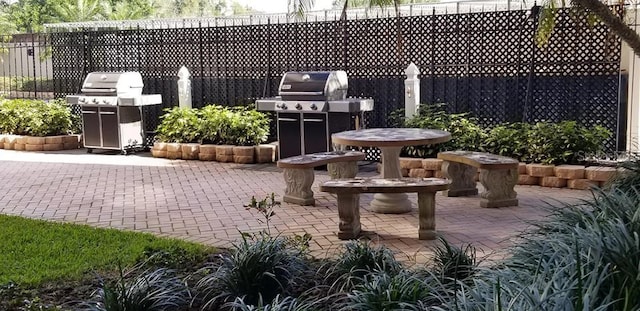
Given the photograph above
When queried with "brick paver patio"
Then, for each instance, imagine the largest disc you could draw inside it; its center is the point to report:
(203, 202)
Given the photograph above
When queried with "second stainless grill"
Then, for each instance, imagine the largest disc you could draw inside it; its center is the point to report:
(310, 107)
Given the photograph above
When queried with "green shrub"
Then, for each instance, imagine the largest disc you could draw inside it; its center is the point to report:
(214, 124)
(248, 127)
(179, 125)
(543, 142)
(257, 269)
(466, 134)
(35, 117)
(214, 120)
(564, 142)
(509, 139)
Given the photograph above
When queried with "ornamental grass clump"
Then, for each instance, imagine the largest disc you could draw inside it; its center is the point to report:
(584, 256)
(153, 290)
(381, 291)
(257, 269)
(277, 304)
(452, 263)
(358, 260)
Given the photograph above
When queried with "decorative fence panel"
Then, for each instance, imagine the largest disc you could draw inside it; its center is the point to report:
(26, 69)
(485, 63)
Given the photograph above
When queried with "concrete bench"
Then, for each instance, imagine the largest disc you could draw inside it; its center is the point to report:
(348, 192)
(299, 176)
(498, 175)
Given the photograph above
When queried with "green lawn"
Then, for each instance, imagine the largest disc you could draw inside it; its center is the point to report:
(34, 251)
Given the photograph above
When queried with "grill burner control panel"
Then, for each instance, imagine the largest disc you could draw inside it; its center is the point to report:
(300, 106)
(350, 105)
(98, 100)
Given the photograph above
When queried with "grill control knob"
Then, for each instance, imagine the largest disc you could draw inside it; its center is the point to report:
(298, 106)
(82, 100)
(95, 101)
(106, 102)
(283, 106)
(313, 107)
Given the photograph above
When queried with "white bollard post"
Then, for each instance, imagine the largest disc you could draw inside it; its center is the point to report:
(411, 91)
(184, 88)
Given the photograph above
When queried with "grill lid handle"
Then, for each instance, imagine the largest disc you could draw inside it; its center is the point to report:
(301, 93)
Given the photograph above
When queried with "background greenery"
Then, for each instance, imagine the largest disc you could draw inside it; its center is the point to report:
(31, 15)
(37, 117)
(213, 124)
(25, 84)
(565, 142)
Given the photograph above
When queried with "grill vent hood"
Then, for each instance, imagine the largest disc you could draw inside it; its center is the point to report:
(113, 84)
(314, 85)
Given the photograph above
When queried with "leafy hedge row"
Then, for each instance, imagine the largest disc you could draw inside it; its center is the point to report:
(213, 124)
(37, 118)
(543, 142)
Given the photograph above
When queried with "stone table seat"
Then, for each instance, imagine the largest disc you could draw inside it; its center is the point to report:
(498, 175)
(348, 192)
(299, 175)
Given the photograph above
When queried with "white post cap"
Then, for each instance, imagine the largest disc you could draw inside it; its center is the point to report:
(184, 73)
(412, 71)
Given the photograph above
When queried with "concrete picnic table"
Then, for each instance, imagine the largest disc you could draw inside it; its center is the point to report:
(390, 141)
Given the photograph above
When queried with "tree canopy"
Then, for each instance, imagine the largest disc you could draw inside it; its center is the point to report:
(31, 15)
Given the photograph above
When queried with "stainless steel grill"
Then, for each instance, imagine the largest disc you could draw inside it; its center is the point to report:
(111, 104)
(311, 106)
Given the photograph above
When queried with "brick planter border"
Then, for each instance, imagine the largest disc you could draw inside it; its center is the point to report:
(36, 143)
(561, 176)
(264, 153)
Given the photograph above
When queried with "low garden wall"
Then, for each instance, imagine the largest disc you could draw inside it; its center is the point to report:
(36, 143)
(265, 153)
(556, 176)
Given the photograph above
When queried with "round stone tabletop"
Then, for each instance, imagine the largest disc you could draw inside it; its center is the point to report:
(390, 137)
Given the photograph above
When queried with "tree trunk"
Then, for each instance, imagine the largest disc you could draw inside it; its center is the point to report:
(614, 22)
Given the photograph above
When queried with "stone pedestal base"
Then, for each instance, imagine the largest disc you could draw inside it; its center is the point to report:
(298, 186)
(498, 203)
(349, 214)
(498, 185)
(462, 177)
(339, 170)
(299, 181)
(427, 216)
(391, 203)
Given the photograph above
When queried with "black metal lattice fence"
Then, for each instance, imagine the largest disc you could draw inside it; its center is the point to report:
(486, 64)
